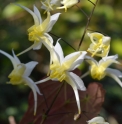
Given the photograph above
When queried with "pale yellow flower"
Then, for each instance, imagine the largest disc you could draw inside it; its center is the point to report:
(20, 74)
(67, 4)
(38, 33)
(100, 44)
(99, 70)
(60, 70)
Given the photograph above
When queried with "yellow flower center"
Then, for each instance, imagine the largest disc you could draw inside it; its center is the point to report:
(57, 72)
(16, 75)
(97, 72)
(35, 32)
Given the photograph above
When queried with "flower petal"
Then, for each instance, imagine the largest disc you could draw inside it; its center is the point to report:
(10, 57)
(53, 20)
(78, 61)
(36, 11)
(16, 58)
(115, 72)
(97, 120)
(36, 19)
(29, 67)
(77, 80)
(115, 78)
(34, 88)
(42, 81)
(59, 51)
(73, 85)
(70, 59)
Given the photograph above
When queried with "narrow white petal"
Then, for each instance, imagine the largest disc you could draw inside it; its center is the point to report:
(70, 56)
(90, 60)
(96, 120)
(70, 82)
(37, 45)
(42, 81)
(53, 20)
(104, 59)
(34, 88)
(115, 72)
(78, 61)
(36, 20)
(36, 11)
(26, 50)
(29, 67)
(78, 81)
(49, 37)
(84, 75)
(115, 78)
(16, 58)
(10, 57)
(59, 51)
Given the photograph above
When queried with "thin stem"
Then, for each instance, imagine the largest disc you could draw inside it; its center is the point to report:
(48, 110)
(82, 11)
(64, 41)
(89, 19)
(44, 98)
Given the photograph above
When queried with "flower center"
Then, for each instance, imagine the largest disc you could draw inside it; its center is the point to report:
(97, 72)
(35, 32)
(16, 75)
(57, 72)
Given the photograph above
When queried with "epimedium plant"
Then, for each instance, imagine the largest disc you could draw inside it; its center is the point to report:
(55, 101)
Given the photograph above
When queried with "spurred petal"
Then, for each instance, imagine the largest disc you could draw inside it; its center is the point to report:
(115, 72)
(59, 51)
(36, 19)
(37, 45)
(70, 59)
(34, 88)
(36, 11)
(49, 37)
(115, 78)
(73, 85)
(16, 58)
(45, 23)
(29, 67)
(53, 20)
(107, 61)
(26, 50)
(10, 57)
(96, 120)
(42, 81)
(77, 80)
(78, 61)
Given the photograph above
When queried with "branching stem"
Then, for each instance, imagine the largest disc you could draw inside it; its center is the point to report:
(88, 21)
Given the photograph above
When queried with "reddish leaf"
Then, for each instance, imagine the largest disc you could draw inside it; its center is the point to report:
(64, 107)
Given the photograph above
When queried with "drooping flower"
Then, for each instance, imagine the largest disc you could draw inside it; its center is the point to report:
(20, 74)
(100, 69)
(100, 44)
(97, 120)
(38, 33)
(67, 4)
(60, 68)
(49, 5)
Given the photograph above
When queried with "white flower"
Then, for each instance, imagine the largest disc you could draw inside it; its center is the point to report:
(20, 74)
(49, 5)
(38, 33)
(67, 4)
(100, 69)
(100, 44)
(60, 68)
(97, 120)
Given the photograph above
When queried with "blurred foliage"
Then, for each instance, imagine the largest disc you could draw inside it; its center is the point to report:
(14, 23)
